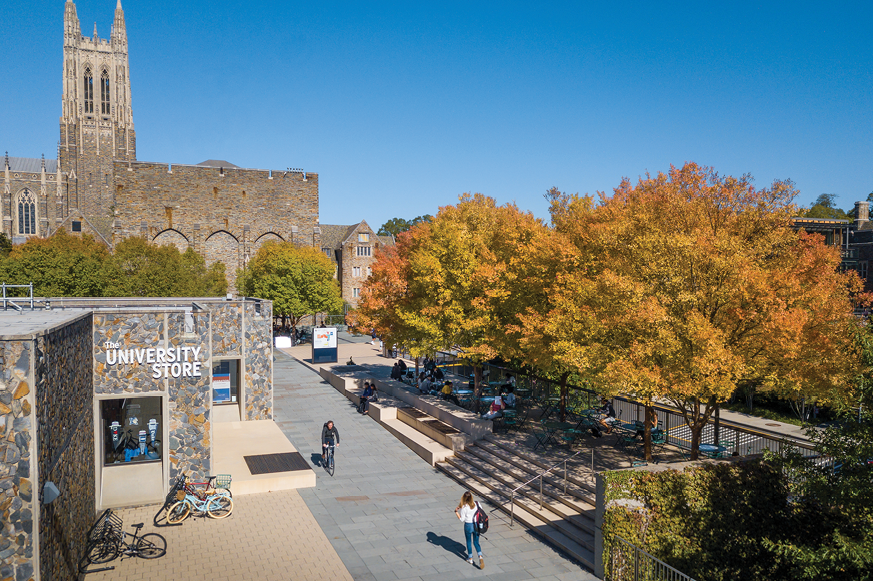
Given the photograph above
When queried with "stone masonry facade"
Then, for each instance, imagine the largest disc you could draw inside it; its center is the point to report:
(64, 396)
(258, 369)
(16, 466)
(223, 213)
(353, 249)
(96, 185)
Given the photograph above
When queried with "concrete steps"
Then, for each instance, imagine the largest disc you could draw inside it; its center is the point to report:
(429, 450)
(493, 469)
(542, 523)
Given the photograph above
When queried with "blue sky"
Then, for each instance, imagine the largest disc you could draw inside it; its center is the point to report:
(400, 107)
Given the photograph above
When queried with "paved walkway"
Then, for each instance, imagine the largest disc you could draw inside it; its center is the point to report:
(387, 513)
(269, 537)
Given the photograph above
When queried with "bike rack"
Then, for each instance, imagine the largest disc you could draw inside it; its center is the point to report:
(108, 525)
(169, 500)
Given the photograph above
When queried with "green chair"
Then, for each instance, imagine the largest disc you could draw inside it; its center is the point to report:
(510, 419)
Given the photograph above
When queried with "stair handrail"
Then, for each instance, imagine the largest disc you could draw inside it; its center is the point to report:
(541, 475)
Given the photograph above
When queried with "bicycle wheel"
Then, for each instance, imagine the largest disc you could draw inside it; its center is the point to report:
(178, 512)
(151, 546)
(102, 551)
(330, 463)
(219, 507)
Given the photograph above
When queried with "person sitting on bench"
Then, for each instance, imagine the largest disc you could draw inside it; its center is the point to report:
(366, 397)
(448, 393)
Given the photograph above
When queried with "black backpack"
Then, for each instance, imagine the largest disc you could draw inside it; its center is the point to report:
(480, 519)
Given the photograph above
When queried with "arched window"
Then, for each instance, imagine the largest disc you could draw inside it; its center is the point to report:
(89, 91)
(26, 213)
(104, 92)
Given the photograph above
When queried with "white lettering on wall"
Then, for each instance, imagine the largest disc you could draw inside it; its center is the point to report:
(175, 361)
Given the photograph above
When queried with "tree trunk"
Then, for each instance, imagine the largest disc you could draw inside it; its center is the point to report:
(416, 369)
(649, 420)
(717, 424)
(564, 390)
(696, 431)
(477, 386)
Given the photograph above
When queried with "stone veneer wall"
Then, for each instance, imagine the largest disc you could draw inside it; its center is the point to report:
(190, 402)
(259, 362)
(65, 446)
(16, 480)
(130, 330)
(226, 329)
(188, 448)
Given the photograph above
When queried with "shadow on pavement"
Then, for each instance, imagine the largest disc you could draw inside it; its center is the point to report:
(451, 545)
(315, 459)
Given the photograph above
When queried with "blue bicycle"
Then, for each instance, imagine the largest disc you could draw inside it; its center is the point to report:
(328, 458)
(217, 503)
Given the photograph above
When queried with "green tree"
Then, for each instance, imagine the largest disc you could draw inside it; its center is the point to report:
(824, 208)
(298, 279)
(60, 266)
(395, 226)
(5, 245)
(139, 268)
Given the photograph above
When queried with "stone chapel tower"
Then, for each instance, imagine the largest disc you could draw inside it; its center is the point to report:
(96, 119)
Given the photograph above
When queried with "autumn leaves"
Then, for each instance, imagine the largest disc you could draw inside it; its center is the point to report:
(677, 288)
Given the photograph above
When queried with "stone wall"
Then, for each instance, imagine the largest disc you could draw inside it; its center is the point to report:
(190, 402)
(259, 362)
(65, 446)
(223, 213)
(16, 466)
(131, 331)
(226, 329)
(188, 398)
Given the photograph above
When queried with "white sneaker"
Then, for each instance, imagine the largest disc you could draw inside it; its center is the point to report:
(470, 560)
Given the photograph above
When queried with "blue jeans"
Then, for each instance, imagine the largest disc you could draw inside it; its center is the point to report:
(471, 533)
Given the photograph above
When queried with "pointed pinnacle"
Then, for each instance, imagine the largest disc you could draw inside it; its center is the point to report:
(118, 6)
(95, 30)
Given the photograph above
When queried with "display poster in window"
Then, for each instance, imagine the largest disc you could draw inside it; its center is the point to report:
(220, 387)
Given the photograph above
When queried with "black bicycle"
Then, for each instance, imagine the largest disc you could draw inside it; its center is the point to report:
(328, 458)
(112, 542)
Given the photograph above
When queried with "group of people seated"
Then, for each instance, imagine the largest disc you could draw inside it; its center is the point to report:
(506, 400)
(428, 378)
(399, 369)
(370, 395)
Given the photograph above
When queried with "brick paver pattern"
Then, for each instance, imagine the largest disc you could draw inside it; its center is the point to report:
(269, 537)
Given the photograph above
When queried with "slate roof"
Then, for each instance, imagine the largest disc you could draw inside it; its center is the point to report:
(30, 164)
(333, 235)
(217, 163)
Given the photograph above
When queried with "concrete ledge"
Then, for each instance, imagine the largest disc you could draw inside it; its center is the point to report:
(434, 429)
(431, 451)
(446, 412)
(233, 440)
(385, 413)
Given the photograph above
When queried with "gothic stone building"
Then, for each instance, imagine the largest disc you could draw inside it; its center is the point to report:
(97, 186)
(353, 250)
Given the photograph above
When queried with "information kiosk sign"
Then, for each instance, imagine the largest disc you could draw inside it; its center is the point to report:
(324, 345)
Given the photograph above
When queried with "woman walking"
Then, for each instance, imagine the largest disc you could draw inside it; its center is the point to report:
(466, 512)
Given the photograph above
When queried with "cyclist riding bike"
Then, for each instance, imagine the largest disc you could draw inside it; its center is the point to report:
(329, 437)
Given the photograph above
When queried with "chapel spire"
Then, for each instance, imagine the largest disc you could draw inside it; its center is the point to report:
(71, 22)
(119, 30)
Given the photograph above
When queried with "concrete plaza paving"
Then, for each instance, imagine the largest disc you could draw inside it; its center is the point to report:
(387, 513)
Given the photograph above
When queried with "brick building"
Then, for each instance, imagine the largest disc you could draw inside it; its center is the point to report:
(353, 250)
(97, 186)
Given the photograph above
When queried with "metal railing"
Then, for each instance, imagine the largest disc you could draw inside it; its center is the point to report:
(541, 476)
(737, 439)
(7, 302)
(630, 563)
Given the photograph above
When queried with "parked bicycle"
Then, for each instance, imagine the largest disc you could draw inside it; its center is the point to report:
(216, 504)
(107, 541)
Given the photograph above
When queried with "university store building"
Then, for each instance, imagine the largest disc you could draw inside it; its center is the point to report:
(108, 401)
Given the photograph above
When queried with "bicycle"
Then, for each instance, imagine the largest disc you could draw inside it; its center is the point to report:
(112, 541)
(329, 465)
(217, 505)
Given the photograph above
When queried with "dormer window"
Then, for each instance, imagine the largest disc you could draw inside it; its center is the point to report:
(363, 237)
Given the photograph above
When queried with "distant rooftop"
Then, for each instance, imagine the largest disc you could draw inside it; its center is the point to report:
(217, 163)
(30, 164)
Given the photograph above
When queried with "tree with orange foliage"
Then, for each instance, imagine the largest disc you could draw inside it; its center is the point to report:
(688, 283)
(448, 284)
